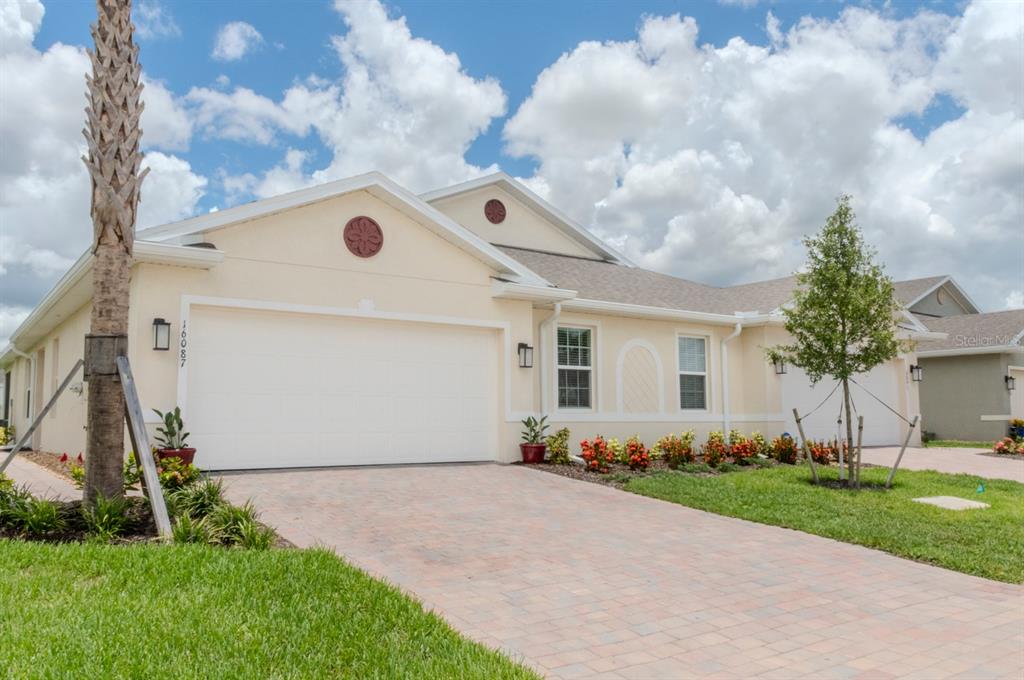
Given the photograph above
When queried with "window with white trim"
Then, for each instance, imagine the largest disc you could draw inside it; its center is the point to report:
(693, 373)
(575, 354)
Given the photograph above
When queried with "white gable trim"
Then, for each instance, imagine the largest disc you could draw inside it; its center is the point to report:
(973, 308)
(556, 217)
(374, 183)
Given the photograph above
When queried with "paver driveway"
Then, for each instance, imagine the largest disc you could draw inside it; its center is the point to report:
(581, 580)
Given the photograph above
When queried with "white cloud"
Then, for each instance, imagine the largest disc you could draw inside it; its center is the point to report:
(44, 186)
(674, 149)
(404, 107)
(235, 40)
(153, 21)
(19, 21)
(10, 319)
(1015, 300)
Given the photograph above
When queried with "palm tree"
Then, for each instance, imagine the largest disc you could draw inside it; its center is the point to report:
(114, 158)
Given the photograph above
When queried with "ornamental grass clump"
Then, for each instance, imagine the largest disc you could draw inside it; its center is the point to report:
(637, 456)
(106, 518)
(714, 450)
(596, 454)
(677, 450)
(558, 447)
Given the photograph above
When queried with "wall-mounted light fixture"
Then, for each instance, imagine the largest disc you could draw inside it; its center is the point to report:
(1011, 382)
(525, 355)
(916, 372)
(780, 366)
(161, 334)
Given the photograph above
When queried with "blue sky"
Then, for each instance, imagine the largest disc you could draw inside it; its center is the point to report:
(510, 41)
(671, 129)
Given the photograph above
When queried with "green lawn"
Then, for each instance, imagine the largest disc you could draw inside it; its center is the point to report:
(987, 542)
(99, 611)
(957, 444)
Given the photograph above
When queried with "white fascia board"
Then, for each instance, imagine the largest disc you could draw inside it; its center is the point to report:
(915, 323)
(506, 290)
(511, 185)
(376, 184)
(74, 274)
(956, 286)
(143, 252)
(149, 252)
(962, 351)
(646, 312)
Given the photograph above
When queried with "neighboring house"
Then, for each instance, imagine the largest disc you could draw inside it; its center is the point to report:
(357, 323)
(965, 391)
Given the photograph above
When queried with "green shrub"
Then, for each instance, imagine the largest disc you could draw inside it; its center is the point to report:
(37, 517)
(729, 467)
(107, 518)
(677, 451)
(254, 536)
(189, 530)
(694, 468)
(197, 500)
(76, 469)
(229, 523)
(174, 474)
(558, 447)
(12, 499)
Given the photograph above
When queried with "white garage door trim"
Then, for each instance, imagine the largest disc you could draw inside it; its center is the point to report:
(364, 312)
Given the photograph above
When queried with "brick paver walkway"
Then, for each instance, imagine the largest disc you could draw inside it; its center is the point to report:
(969, 461)
(40, 481)
(581, 580)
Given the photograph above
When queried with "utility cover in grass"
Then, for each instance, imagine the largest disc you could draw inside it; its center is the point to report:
(951, 502)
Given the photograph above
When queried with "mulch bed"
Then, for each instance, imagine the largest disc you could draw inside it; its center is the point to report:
(141, 527)
(617, 476)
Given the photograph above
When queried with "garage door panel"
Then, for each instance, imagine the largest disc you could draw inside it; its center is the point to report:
(881, 426)
(275, 390)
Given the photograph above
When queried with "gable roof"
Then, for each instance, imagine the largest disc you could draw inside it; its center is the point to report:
(975, 333)
(913, 291)
(374, 183)
(553, 215)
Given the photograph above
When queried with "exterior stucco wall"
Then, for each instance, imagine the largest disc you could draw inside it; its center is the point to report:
(299, 258)
(931, 305)
(522, 227)
(957, 391)
(63, 428)
(753, 391)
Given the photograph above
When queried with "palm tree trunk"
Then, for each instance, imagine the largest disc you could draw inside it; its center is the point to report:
(113, 135)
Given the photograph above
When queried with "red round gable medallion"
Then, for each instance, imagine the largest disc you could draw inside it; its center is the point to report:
(494, 210)
(363, 236)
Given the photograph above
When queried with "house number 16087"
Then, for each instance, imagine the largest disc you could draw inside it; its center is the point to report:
(184, 344)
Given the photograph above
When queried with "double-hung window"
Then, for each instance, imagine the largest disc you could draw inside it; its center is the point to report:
(575, 354)
(693, 373)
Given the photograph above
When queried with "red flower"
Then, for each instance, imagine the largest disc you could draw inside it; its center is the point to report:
(64, 458)
(80, 459)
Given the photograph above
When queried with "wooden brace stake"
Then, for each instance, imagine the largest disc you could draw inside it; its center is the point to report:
(803, 443)
(896, 465)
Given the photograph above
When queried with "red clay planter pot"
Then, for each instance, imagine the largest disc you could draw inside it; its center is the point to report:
(186, 455)
(533, 453)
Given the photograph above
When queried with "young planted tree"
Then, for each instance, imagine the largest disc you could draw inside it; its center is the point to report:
(113, 161)
(843, 316)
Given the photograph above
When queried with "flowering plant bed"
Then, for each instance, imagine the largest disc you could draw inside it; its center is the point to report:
(619, 474)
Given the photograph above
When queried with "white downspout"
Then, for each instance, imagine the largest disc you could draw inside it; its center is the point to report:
(726, 410)
(545, 358)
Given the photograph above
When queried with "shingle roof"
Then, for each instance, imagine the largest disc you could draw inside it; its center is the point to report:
(598, 280)
(969, 331)
(911, 289)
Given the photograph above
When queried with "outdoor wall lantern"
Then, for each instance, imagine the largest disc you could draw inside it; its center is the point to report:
(525, 355)
(780, 366)
(1011, 382)
(916, 372)
(161, 334)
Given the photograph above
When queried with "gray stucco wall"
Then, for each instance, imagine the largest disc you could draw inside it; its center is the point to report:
(931, 306)
(956, 391)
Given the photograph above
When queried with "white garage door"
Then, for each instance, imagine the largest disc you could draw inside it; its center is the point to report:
(1017, 395)
(881, 426)
(268, 389)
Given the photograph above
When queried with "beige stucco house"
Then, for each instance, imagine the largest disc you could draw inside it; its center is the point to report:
(357, 323)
